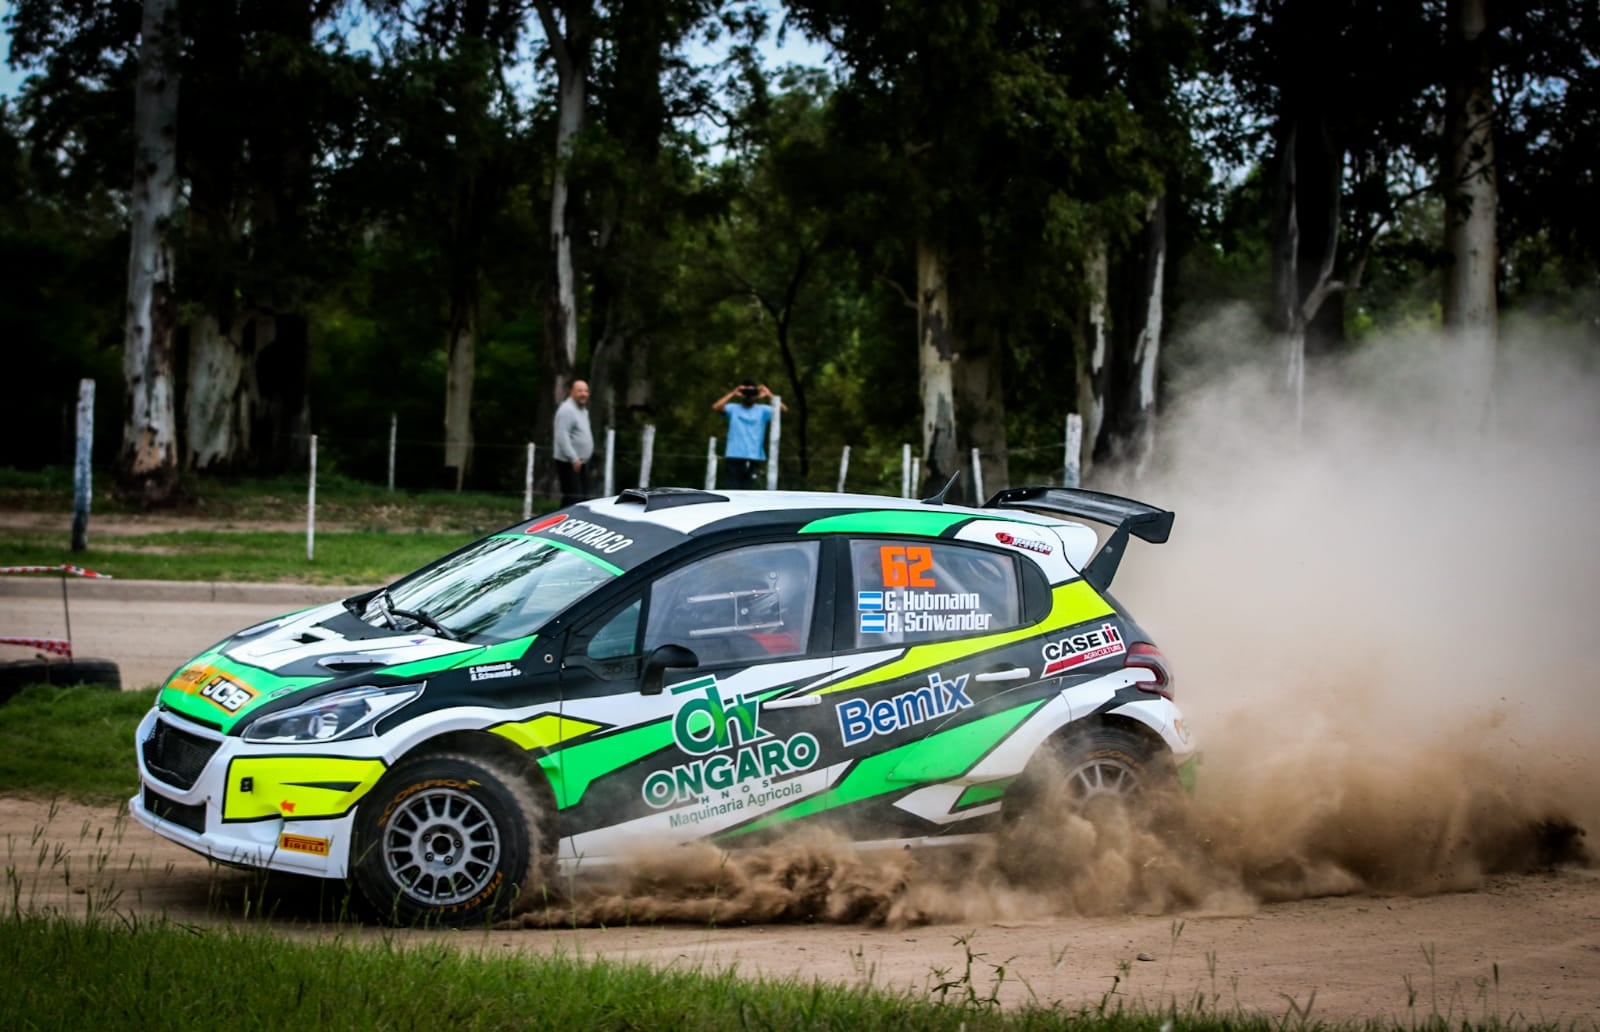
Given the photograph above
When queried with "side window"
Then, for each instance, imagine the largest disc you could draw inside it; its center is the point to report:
(617, 637)
(748, 603)
(917, 590)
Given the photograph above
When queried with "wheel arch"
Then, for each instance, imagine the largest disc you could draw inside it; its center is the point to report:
(515, 759)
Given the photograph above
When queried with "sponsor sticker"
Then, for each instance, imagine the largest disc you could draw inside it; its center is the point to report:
(735, 759)
(894, 610)
(593, 535)
(303, 844)
(1027, 543)
(1076, 650)
(859, 720)
(215, 687)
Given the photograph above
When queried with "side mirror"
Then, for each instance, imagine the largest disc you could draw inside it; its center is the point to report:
(652, 676)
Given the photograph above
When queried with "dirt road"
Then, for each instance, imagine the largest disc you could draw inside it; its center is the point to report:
(1358, 956)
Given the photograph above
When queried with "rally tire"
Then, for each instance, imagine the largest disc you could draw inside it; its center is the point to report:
(1088, 767)
(449, 839)
(19, 674)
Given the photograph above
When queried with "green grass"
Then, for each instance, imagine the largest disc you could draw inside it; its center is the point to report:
(342, 557)
(76, 742)
(339, 500)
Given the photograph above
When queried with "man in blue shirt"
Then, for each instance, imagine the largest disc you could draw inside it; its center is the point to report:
(747, 431)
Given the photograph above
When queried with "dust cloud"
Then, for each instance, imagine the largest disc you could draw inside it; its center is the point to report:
(1384, 620)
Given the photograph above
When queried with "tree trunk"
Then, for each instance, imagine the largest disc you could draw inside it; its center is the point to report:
(459, 374)
(148, 464)
(216, 431)
(571, 50)
(1093, 344)
(1471, 199)
(1139, 420)
(936, 358)
(980, 398)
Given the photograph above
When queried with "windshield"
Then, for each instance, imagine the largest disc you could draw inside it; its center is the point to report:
(499, 589)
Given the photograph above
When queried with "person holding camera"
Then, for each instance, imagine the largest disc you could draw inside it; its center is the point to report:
(747, 431)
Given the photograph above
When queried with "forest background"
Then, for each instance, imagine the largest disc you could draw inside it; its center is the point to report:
(254, 220)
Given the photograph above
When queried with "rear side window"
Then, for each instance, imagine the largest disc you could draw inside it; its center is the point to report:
(918, 590)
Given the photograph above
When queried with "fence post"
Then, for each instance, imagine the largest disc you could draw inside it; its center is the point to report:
(711, 464)
(844, 466)
(311, 504)
(977, 479)
(774, 432)
(527, 486)
(611, 460)
(81, 469)
(394, 432)
(905, 471)
(916, 476)
(1074, 444)
(648, 447)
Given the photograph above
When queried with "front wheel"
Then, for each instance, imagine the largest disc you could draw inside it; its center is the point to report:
(448, 839)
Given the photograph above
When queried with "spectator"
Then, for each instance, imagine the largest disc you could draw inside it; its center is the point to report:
(747, 431)
(574, 444)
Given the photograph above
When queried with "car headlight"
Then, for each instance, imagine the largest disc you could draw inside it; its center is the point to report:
(343, 714)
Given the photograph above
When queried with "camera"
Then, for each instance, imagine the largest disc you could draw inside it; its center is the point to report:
(749, 392)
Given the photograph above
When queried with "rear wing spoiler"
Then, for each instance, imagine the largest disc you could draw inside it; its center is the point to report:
(1124, 515)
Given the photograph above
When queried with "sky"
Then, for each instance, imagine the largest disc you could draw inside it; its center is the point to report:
(796, 49)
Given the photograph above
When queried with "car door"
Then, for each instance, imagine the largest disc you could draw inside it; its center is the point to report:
(703, 745)
(929, 627)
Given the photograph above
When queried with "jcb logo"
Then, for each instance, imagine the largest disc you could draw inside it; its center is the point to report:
(226, 694)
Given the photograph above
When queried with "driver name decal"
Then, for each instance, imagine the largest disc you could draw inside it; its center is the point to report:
(735, 757)
(1077, 649)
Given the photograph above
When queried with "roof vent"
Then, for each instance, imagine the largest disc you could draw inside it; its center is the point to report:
(654, 498)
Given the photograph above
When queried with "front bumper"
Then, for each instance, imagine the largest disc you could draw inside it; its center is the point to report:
(184, 788)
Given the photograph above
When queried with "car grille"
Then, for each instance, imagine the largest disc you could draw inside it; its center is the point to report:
(175, 756)
(191, 816)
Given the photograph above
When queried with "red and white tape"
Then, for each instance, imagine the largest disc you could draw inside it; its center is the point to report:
(74, 571)
(55, 646)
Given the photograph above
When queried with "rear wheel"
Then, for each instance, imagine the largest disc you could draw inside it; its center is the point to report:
(1091, 768)
(449, 839)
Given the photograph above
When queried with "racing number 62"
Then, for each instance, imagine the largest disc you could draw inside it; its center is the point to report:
(906, 566)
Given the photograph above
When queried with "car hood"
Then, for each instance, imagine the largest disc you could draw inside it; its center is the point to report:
(305, 654)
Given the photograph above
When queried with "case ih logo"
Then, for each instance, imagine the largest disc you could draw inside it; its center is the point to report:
(1075, 650)
(601, 539)
(1016, 542)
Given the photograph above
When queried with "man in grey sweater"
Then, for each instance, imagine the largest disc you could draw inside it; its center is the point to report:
(574, 444)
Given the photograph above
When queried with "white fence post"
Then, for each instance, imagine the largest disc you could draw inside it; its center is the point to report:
(905, 471)
(611, 461)
(311, 504)
(844, 466)
(977, 479)
(1074, 444)
(711, 464)
(394, 432)
(527, 486)
(81, 469)
(916, 476)
(774, 432)
(648, 447)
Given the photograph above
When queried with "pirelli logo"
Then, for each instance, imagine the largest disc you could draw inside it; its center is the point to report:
(303, 844)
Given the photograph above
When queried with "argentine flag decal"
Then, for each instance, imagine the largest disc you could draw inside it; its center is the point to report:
(870, 605)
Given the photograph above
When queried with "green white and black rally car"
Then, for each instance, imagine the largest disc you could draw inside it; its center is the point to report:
(667, 666)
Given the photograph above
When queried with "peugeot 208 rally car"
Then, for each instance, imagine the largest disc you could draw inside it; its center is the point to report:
(665, 666)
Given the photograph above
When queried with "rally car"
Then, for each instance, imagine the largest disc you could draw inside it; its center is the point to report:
(672, 665)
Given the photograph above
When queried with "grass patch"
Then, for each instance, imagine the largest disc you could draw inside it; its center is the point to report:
(255, 499)
(76, 742)
(342, 557)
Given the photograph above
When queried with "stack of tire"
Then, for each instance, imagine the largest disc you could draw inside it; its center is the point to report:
(16, 675)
